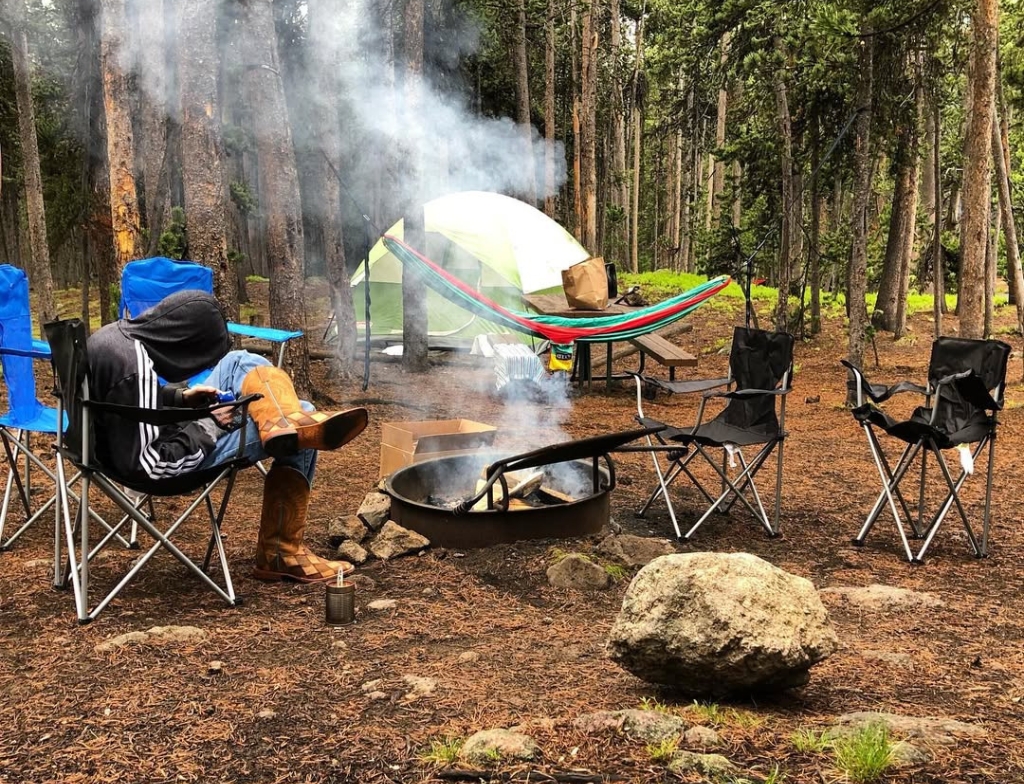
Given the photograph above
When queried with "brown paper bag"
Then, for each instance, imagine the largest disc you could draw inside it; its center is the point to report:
(586, 285)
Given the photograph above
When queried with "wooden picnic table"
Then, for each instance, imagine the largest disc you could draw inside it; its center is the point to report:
(556, 305)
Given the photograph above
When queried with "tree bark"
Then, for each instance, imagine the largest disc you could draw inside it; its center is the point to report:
(154, 77)
(202, 147)
(414, 315)
(637, 109)
(588, 129)
(938, 273)
(278, 179)
(550, 45)
(39, 271)
(814, 246)
(718, 178)
(901, 223)
(1013, 265)
(977, 170)
(124, 205)
(619, 184)
(328, 51)
(784, 125)
(522, 69)
(863, 169)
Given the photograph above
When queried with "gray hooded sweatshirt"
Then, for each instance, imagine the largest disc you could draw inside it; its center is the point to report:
(146, 361)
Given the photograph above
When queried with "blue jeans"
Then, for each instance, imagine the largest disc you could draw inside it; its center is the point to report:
(227, 376)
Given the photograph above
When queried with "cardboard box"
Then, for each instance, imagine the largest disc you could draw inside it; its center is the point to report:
(405, 443)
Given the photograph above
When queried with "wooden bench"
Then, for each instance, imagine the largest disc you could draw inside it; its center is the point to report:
(664, 352)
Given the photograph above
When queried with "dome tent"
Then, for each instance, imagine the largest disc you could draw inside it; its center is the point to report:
(502, 247)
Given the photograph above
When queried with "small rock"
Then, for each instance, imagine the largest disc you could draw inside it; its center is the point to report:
(382, 605)
(340, 644)
(812, 399)
(418, 687)
(428, 591)
(701, 738)
(266, 713)
(157, 635)
(351, 528)
(579, 572)
(714, 766)
(646, 725)
(352, 552)
(33, 563)
(931, 730)
(467, 657)
(393, 541)
(215, 667)
(635, 550)
(488, 746)
(907, 755)
(376, 696)
(375, 510)
(884, 597)
(371, 685)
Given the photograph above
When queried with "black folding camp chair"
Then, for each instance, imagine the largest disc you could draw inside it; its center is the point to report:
(961, 400)
(760, 374)
(76, 447)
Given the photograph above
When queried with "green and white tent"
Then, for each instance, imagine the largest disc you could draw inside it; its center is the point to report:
(501, 246)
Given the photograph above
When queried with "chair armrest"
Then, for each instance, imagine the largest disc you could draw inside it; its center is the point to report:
(263, 333)
(879, 393)
(742, 393)
(40, 350)
(167, 416)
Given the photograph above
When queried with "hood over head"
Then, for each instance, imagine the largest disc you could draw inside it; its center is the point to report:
(183, 334)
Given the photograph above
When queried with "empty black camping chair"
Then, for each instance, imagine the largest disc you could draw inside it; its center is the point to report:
(76, 447)
(760, 375)
(963, 395)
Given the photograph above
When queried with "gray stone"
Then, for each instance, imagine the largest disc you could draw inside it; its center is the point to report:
(715, 625)
(883, 597)
(930, 730)
(216, 667)
(382, 605)
(651, 726)
(376, 696)
(352, 552)
(467, 657)
(418, 687)
(393, 541)
(347, 528)
(889, 657)
(375, 510)
(701, 738)
(157, 635)
(711, 765)
(579, 572)
(633, 551)
(490, 746)
(908, 755)
(371, 685)
(266, 713)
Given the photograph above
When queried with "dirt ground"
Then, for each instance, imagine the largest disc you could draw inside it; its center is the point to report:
(289, 703)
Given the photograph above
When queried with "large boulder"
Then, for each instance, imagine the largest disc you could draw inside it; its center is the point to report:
(715, 625)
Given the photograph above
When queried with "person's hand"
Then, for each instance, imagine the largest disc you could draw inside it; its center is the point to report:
(198, 396)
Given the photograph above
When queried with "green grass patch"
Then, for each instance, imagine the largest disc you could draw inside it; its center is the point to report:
(708, 713)
(652, 704)
(810, 742)
(442, 752)
(661, 753)
(615, 571)
(866, 755)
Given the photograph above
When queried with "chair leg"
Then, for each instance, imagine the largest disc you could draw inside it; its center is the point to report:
(736, 488)
(890, 486)
(988, 496)
(664, 480)
(953, 498)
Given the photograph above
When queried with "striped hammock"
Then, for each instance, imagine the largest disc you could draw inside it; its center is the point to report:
(557, 329)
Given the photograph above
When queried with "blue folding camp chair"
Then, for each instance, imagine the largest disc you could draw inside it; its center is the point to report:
(26, 416)
(146, 282)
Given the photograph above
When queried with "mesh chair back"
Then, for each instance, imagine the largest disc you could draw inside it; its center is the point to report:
(146, 282)
(758, 360)
(16, 332)
(70, 360)
(987, 359)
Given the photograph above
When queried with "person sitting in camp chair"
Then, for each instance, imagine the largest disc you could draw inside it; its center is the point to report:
(146, 361)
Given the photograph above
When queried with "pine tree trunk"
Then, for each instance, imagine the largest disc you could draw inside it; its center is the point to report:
(201, 147)
(910, 235)
(39, 272)
(901, 221)
(814, 247)
(857, 277)
(977, 170)
(938, 266)
(522, 69)
(718, 181)
(637, 109)
(325, 166)
(279, 197)
(927, 190)
(124, 205)
(782, 118)
(1013, 264)
(588, 130)
(619, 187)
(414, 313)
(550, 45)
(154, 76)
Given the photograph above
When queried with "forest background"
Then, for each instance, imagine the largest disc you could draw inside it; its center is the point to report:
(828, 147)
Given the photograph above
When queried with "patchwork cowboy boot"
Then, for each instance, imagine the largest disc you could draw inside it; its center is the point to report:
(280, 552)
(284, 427)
